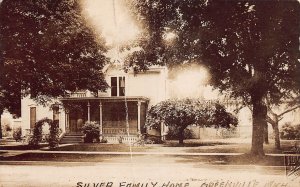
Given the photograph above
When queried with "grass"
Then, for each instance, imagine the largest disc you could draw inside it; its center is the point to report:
(190, 146)
(243, 159)
(101, 147)
(198, 146)
(21, 147)
(198, 160)
(60, 157)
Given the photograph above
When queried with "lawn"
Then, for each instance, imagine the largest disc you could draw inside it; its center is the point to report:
(102, 147)
(190, 146)
(19, 146)
(227, 146)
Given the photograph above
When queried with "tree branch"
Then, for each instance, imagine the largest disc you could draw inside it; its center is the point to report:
(287, 111)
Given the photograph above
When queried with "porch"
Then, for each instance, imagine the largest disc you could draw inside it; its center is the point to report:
(116, 116)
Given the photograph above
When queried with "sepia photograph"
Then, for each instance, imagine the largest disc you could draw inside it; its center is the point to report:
(149, 93)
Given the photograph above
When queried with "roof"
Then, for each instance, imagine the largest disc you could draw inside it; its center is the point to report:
(107, 99)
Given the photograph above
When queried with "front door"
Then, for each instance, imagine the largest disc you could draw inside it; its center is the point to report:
(76, 122)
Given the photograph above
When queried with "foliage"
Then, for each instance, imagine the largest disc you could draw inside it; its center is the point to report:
(38, 56)
(274, 116)
(91, 132)
(120, 138)
(17, 134)
(6, 129)
(152, 139)
(290, 132)
(251, 48)
(103, 140)
(173, 134)
(184, 112)
(53, 136)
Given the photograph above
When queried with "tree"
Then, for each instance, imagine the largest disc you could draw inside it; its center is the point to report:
(250, 48)
(182, 113)
(274, 117)
(47, 50)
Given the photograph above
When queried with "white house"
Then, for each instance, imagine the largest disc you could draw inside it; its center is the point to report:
(129, 93)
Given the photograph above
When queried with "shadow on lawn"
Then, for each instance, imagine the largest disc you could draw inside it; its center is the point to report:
(244, 159)
(61, 157)
(194, 144)
(21, 147)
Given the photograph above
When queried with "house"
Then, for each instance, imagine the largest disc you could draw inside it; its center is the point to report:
(126, 100)
(122, 108)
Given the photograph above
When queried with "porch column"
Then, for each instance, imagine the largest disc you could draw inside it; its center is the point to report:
(139, 117)
(100, 118)
(89, 112)
(60, 117)
(67, 120)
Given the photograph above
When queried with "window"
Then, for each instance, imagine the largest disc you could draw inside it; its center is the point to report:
(121, 86)
(32, 116)
(55, 113)
(114, 86)
(117, 86)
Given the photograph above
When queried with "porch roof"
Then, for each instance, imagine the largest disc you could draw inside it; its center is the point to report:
(107, 99)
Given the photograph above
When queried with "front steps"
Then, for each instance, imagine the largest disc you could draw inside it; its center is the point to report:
(71, 138)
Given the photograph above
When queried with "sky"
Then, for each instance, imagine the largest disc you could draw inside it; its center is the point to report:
(111, 19)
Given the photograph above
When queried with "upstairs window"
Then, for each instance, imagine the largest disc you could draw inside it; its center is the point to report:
(117, 86)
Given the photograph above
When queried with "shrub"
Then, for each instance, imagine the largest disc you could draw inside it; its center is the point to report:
(103, 140)
(6, 130)
(37, 136)
(173, 133)
(52, 138)
(297, 132)
(91, 132)
(17, 134)
(7, 127)
(290, 132)
(151, 139)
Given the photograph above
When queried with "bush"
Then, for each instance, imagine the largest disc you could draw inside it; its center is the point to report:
(17, 134)
(91, 132)
(52, 138)
(6, 130)
(103, 140)
(151, 139)
(290, 132)
(173, 133)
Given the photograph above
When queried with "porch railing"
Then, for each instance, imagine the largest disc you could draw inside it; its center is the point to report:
(118, 131)
(78, 94)
(125, 139)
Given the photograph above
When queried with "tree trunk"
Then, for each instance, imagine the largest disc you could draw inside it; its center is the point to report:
(0, 126)
(181, 135)
(276, 133)
(259, 115)
(266, 134)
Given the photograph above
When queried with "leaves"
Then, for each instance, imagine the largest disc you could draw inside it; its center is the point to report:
(250, 48)
(48, 49)
(185, 112)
